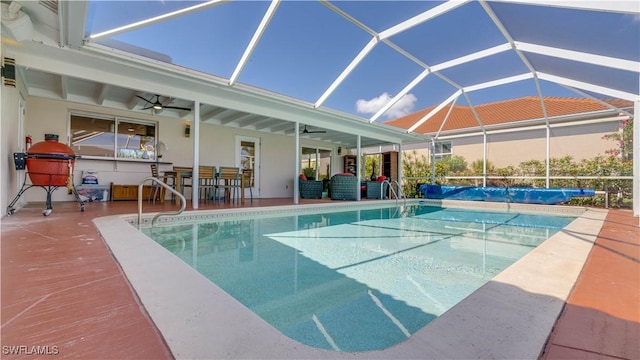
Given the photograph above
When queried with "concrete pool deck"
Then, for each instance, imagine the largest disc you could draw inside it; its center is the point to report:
(509, 317)
(61, 287)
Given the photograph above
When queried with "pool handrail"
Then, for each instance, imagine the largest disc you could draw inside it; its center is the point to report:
(183, 201)
(394, 191)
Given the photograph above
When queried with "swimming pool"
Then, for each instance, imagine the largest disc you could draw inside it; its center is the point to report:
(356, 280)
(511, 316)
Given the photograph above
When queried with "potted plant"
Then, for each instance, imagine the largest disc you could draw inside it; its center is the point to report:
(309, 173)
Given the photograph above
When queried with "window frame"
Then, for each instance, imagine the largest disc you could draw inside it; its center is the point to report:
(115, 148)
(440, 154)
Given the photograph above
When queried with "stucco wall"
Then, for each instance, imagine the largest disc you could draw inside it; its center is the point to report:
(10, 142)
(217, 147)
(504, 149)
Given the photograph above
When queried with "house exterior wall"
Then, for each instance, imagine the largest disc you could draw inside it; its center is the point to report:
(10, 142)
(217, 147)
(511, 148)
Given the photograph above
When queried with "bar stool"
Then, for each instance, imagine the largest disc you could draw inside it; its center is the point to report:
(167, 177)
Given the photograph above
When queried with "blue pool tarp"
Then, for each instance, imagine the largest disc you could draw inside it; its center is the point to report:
(504, 194)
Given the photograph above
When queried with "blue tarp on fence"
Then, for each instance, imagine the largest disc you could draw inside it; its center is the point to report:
(504, 194)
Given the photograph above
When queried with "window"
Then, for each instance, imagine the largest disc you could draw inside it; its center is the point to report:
(111, 137)
(441, 150)
(316, 162)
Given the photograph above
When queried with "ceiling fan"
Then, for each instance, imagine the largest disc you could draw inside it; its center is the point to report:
(305, 131)
(157, 105)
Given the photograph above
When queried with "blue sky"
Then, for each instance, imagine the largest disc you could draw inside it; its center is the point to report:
(306, 46)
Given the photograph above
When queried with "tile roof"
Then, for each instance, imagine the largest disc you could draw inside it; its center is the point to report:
(502, 112)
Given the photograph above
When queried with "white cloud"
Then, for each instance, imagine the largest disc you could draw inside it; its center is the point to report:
(403, 107)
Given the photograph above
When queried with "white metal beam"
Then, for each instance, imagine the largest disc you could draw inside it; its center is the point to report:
(254, 40)
(453, 105)
(631, 7)
(603, 103)
(363, 53)
(195, 192)
(155, 19)
(498, 82)
(399, 96)
(73, 15)
(594, 59)
(472, 57)
(435, 111)
(589, 87)
(420, 18)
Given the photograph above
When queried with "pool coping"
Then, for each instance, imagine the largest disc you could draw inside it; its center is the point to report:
(509, 317)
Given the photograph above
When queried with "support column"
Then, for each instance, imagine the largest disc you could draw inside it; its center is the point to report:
(195, 175)
(358, 166)
(296, 182)
(636, 158)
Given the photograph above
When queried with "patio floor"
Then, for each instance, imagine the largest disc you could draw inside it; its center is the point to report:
(63, 293)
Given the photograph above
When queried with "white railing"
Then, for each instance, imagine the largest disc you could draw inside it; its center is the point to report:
(183, 201)
(393, 191)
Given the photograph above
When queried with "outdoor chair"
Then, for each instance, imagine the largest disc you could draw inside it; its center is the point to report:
(229, 181)
(377, 189)
(167, 177)
(310, 189)
(344, 187)
(207, 182)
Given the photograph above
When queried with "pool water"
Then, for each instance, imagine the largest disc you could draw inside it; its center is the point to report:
(356, 280)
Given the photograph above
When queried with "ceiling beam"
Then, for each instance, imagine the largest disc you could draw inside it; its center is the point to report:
(251, 119)
(234, 117)
(64, 87)
(103, 90)
(134, 100)
(266, 123)
(282, 127)
(212, 113)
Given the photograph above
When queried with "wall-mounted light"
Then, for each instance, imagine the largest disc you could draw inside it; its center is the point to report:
(9, 72)
(187, 129)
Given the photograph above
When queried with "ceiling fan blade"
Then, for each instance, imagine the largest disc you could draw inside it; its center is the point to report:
(306, 131)
(140, 97)
(148, 107)
(176, 107)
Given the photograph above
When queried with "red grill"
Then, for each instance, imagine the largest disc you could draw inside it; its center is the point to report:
(50, 163)
(50, 166)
